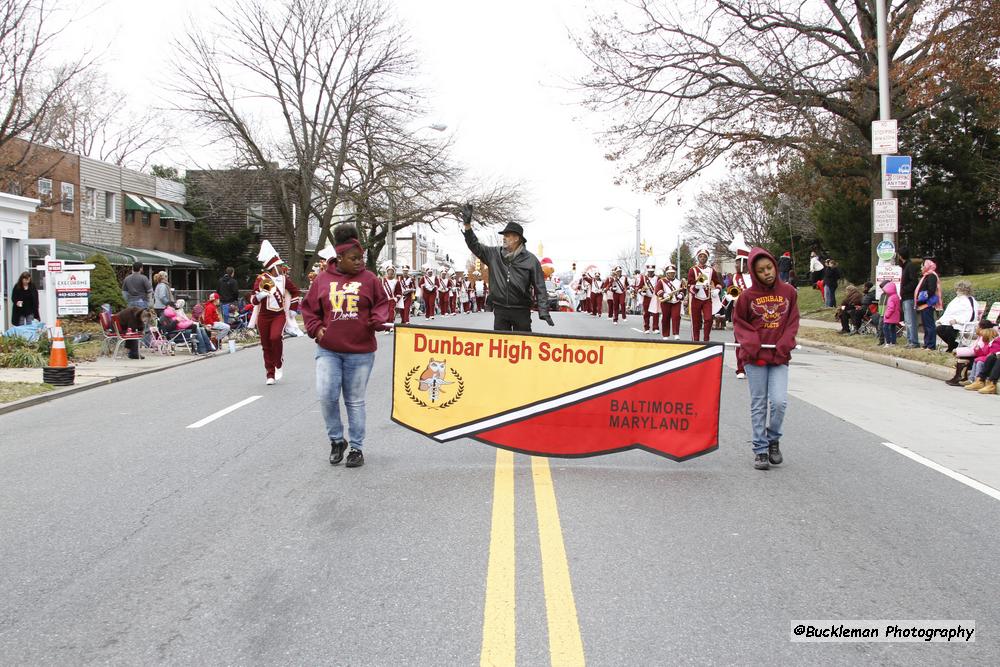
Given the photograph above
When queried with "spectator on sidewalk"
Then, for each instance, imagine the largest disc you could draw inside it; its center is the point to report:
(892, 314)
(135, 320)
(171, 324)
(988, 344)
(24, 296)
(991, 371)
(229, 293)
(850, 306)
(137, 288)
(960, 311)
(831, 276)
(907, 289)
(815, 268)
(163, 295)
(210, 318)
(785, 267)
(927, 298)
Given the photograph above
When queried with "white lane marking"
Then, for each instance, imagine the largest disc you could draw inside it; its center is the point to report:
(637, 330)
(957, 476)
(222, 413)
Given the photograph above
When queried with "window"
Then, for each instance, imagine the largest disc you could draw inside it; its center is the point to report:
(44, 187)
(68, 191)
(145, 218)
(163, 223)
(179, 225)
(109, 206)
(255, 214)
(89, 203)
(129, 217)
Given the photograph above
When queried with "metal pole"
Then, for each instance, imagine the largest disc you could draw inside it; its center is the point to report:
(884, 107)
(390, 237)
(638, 234)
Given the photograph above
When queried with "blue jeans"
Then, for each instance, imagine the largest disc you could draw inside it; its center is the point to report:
(889, 333)
(225, 312)
(910, 318)
(768, 389)
(829, 295)
(930, 328)
(345, 372)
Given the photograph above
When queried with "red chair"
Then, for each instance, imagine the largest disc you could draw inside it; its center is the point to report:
(111, 338)
(124, 336)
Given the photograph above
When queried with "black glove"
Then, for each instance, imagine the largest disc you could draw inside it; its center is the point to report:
(547, 318)
(467, 214)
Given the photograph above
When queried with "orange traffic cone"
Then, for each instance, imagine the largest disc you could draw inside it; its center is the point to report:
(57, 356)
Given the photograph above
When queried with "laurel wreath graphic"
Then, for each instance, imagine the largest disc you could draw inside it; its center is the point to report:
(454, 399)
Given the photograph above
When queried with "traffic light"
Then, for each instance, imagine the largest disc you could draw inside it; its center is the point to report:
(574, 266)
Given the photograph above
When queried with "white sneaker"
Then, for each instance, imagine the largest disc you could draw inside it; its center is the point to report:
(677, 337)
(646, 331)
(741, 376)
(269, 381)
(278, 374)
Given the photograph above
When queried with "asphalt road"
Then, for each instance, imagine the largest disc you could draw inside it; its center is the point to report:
(128, 538)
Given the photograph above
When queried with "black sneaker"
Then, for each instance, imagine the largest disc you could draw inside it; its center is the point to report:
(337, 448)
(760, 461)
(355, 459)
(773, 453)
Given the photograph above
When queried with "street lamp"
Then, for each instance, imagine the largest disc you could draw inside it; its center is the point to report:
(638, 230)
(390, 240)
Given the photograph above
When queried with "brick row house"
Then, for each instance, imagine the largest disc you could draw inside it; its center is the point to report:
(89, 207)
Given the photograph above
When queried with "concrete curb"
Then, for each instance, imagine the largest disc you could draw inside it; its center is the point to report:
(934, 371)
(59, 393)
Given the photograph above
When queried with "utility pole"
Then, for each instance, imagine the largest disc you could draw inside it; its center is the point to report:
(638, 234)
(884, 104)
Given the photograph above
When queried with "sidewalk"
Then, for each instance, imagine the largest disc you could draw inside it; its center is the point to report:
(104, 370)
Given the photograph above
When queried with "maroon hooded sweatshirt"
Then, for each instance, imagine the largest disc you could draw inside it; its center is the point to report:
(351, 307)
(766, 316)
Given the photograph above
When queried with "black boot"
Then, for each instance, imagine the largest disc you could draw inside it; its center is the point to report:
(956, 379)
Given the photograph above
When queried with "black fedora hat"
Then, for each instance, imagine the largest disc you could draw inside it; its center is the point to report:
(515, 228)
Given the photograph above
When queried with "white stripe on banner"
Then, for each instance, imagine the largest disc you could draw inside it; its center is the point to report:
(575, 397)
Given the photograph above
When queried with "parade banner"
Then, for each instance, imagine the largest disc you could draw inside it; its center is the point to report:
(564, 396)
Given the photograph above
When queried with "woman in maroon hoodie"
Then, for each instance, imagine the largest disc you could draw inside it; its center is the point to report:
(765, 321)
(345, 306)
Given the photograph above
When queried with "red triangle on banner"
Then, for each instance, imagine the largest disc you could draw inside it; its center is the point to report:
(675, 415)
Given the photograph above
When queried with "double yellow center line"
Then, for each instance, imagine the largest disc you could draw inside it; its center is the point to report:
(499, 632)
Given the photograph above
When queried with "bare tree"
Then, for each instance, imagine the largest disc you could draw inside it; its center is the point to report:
(753, 79)
(744, 204)
(89, 118)
(281, 85)
(29, 80)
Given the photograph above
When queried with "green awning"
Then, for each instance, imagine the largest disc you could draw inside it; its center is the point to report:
(77, 252)
(157, 206)
(186, 215)
(137, 203)
(135, 255)
(170, 213)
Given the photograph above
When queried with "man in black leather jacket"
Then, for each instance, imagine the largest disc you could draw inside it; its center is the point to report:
(514, 273)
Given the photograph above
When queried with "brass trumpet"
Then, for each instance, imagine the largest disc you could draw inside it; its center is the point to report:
(266, 282)
(733, 292)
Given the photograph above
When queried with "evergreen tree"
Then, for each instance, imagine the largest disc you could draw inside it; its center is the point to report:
(951, 213)
(104, 287)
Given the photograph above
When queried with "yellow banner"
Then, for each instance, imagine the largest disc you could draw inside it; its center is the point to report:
(446, 378)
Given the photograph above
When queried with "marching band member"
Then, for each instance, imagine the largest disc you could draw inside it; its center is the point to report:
(443, 291)
(646, 290)
(480, 290)
(703, 283)
(598, 295)
(742, 280)
(455, 284)
(272, 296)
(670, 295)
(409, 288)
(393, 289)
(587, 285)
(428, 285)
(615, 289)
(470, 293)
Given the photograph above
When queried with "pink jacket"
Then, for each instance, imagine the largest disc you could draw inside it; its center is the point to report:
(893, 312)
(983, 350)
